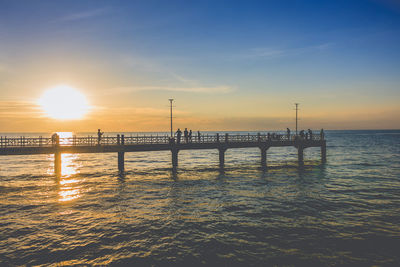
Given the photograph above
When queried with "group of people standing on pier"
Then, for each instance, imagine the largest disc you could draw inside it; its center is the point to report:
(270, 136)
(308, 135)
(303, 135)
(187, 135)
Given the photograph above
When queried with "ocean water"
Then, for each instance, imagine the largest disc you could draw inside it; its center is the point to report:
(344, 212)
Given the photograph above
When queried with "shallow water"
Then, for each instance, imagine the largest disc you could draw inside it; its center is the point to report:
(346, 211)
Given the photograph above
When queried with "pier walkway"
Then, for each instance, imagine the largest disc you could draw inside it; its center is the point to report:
(121, 144)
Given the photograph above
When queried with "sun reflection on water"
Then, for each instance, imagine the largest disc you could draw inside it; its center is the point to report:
(69, 165)
(68, 193)
(69, 183)
(70, 188)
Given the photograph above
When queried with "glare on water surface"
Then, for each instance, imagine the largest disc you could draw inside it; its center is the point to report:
(69, 185)
(68, 180)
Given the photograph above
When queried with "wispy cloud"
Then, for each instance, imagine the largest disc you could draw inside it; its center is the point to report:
(268, 52)
(323, 46)
(139, 62)
(85, 14)
(172, 80)
(221, 89)
(175, 82)
(142, 111)
(262, 53)
(18, 109)
(184, 80)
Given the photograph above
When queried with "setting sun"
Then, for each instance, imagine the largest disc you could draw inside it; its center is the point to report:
(64, 103)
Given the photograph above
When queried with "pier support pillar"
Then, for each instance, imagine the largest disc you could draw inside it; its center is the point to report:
(174, 153)
(300, 156)
(57, 155)
(121, 161)
(57, 163)
(323, 152)
(221, 157)
(263, 157)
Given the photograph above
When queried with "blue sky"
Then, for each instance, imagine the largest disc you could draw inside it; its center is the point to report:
(328, 55)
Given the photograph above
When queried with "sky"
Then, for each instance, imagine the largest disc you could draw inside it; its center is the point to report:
(228, 65)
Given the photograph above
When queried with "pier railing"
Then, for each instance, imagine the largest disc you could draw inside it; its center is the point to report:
(148, 139)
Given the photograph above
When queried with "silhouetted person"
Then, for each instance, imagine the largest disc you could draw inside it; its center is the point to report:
(322, 134)
(99, 134)
(302, 133)
(288, 133)
(198, 135)
(186, 134)
(190, 136)
(268, 136)
(54, 138)
(178, 136)
(310, 134)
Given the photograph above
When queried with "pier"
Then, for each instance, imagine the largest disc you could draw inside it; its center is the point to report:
(121, 144)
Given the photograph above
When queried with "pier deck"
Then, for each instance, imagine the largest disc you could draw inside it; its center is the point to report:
(122, 144)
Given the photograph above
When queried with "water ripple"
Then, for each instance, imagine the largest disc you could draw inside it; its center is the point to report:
(345, 212)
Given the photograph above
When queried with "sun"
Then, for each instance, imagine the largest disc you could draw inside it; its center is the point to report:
(63, 102)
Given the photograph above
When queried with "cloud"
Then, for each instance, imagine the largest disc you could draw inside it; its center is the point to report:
(138, 62)
(19, 109)
(221, 89)
(180, 83)
(262, 53)
(267, 52)
(84, 15)
(322, 46)
(148, 111)
(175, 81)
(183, 79)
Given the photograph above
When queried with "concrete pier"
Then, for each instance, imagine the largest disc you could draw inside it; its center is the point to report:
(57, 163)
(57, 154)
(263, 157)
(174, 155)
(121, 161)
(300, 155)
(122, 144)
(221, 157)
(323, 152)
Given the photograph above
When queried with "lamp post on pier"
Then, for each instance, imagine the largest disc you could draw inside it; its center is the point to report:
(170, 101)
(297, 104)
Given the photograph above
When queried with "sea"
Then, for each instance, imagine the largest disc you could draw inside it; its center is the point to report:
(345, 212)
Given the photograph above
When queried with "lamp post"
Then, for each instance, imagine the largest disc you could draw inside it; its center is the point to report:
(297, 104)
(170, 101)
